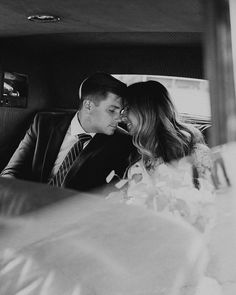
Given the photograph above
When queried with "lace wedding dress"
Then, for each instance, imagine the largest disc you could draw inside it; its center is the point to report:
(182, 188)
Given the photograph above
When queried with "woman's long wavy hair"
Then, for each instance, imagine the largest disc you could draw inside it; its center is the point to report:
(159, 133)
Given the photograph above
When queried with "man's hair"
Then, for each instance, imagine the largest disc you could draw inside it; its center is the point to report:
(97, 86)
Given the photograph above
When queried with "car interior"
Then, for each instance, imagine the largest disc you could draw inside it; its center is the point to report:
(59, 241)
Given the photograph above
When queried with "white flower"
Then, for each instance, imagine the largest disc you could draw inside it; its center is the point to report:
(110, 176)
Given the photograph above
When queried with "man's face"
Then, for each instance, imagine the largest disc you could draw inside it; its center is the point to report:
(105, 116)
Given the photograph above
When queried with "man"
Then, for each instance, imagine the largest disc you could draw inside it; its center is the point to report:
(46, 150)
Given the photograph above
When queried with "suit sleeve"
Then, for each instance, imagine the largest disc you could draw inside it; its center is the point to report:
(20, 164)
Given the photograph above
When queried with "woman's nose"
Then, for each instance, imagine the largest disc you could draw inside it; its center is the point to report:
(124, 118)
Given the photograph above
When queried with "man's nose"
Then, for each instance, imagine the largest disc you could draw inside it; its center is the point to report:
(118, 118)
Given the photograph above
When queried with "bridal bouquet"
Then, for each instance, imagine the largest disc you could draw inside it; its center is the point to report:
(169, 190)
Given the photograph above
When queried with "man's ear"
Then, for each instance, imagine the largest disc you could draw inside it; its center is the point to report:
(87, 104)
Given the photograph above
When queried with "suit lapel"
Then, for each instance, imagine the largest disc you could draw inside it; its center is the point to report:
(56, 138)
(97, 141)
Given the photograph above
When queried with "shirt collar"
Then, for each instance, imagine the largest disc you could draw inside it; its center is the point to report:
(76, 128)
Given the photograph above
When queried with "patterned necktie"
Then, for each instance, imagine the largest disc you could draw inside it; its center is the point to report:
(59, 177)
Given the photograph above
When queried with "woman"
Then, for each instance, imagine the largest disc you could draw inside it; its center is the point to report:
(157, 132)
(173, 167)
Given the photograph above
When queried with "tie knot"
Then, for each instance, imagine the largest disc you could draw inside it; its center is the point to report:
(84, 137)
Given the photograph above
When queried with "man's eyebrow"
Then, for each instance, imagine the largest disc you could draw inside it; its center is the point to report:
(116, 107)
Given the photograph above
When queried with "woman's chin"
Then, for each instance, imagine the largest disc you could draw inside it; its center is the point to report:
(131, 132)
(130, 129)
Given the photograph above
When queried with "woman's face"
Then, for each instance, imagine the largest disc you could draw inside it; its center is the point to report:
(131, 121)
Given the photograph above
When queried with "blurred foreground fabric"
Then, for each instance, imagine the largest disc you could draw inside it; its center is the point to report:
(88, 245)
(63, 242)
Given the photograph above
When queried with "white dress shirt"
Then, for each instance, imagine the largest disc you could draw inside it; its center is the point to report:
(70, 139)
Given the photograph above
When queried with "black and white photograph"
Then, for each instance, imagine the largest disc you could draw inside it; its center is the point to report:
(117, 147)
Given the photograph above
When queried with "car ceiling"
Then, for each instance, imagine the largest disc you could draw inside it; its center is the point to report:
(105, 21)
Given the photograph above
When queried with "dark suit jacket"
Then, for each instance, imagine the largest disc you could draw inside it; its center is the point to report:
(37, 152)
